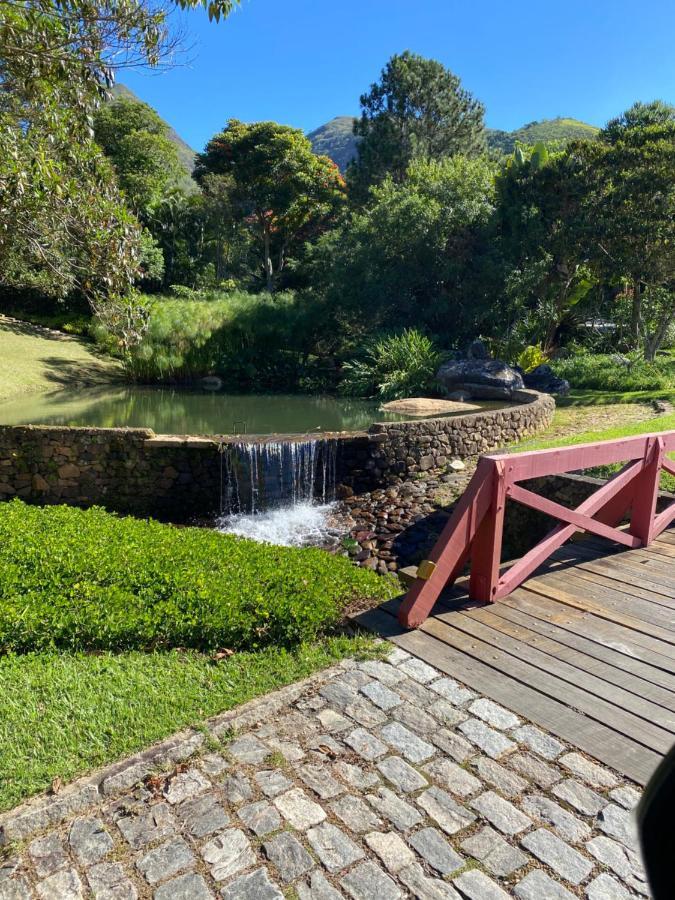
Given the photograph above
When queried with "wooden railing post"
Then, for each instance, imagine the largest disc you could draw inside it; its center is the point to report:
(487, 544)
(647, 491)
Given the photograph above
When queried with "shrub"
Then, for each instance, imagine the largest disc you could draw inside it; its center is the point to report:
(89, 580)
(531, 357)
(612, 372)
(402, 365)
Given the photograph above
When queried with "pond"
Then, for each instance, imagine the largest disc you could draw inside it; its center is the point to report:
(177, 411)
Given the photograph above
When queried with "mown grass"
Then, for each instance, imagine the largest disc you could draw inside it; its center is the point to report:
(63, 714)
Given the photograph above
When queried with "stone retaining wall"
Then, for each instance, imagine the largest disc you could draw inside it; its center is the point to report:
(132, 470)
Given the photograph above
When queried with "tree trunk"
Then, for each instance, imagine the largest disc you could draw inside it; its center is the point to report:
(269, 269)
(636, 313)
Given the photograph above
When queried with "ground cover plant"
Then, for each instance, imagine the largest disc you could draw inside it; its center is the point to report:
(617, 373)
(89, 580)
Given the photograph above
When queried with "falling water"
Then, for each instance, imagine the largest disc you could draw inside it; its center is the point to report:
(278, 491)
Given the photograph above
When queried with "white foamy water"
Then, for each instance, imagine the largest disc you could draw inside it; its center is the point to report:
(297, 525)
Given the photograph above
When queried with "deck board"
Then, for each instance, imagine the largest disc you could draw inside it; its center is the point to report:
(585, 648)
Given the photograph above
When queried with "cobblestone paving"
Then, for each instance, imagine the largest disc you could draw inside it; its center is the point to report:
(384, 780)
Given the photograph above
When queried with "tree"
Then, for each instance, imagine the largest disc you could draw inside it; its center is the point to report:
(417, 110)
(135, 139)
(278, 186)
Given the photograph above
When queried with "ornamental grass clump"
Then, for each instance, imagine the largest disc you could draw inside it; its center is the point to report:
(90, 580)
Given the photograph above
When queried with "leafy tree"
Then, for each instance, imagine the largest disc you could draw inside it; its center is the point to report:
(277, 185)
(417, 110)
(135, 139)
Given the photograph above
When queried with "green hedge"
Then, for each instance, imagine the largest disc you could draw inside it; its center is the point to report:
(89, 580)
(606, 372)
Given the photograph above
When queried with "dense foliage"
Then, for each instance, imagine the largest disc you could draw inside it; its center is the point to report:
(86, 579)
(394, 367)
(614, 372)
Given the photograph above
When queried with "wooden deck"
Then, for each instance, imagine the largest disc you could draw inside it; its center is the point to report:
(585, 648)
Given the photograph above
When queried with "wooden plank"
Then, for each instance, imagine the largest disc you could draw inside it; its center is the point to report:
(594, 697)
(664, 549)
(640, 646)
(631, 759)
(642, 556)
(662, 683)
(666, 537)
(625, 571)
(657, 699)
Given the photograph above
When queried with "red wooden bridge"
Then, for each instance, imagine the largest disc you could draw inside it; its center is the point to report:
(578, 637)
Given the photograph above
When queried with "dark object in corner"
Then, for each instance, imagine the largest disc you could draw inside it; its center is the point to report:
(543, 378)
(655, 824)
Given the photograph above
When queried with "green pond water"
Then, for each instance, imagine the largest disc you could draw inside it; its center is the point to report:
(174, 411)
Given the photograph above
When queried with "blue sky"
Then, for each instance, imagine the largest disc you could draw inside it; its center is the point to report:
(301, 62)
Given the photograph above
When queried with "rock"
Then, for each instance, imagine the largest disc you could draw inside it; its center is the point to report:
(457, 465)
(544, 379)
(485, 379)
(460, 396)
(424, 406)
(477, 350)
(211, 383)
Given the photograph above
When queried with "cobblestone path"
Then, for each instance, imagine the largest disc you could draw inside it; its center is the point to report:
(377, 780)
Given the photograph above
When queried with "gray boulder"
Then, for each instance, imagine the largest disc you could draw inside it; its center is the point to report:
(489, 379)
(543, 378)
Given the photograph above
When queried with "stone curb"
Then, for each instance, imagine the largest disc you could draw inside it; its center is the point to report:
(47, 810)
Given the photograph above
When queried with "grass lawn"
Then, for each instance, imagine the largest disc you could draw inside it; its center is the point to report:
(33, 359)
(64, 714)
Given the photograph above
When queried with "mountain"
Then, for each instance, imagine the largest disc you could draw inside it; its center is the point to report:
(186, 154)
(336, 139)
(547, 131)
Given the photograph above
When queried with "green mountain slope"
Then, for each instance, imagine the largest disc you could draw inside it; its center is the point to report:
(335, 139)
(547, 131)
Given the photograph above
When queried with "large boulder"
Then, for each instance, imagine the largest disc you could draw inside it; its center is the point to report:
(489, 379)
(543, 378)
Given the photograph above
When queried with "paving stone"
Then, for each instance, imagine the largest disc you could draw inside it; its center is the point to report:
(288, 855)
(356, 814)
(320, 780)
(202, 816)
(452, 691)
(593, 774)
(335, 850)
(432, 846)
(446, 713)
(14, 889)
(453, 777)
(272, 782)
(562, 858)
(355, 679)
(261, 817)
(487, 739)
(415, 718)
(397, 656)
(423, 888)
(185, 887)
(296, 807)
(418, 670)
(381, 695)
(496, 854)
(538, 741)
(622, 861)
(165, 860)
(185, 785)
(368, 882)
(399, 813)
(228, 854)
(445, 811)
(382, 671)
(538, 886)
(476, 885)
(108, 881)
(48, 854)
(618, 823)
(248, 749)
(140, 828)
(604, 887)
(317, 887)
(393, 852)
(325, 747)
(534, 769)
(414, 692)
(237, 789)
(340, 695)
(493, 714)
(62, 885)
(254, 886)
(402, 739)
(366, 713)
(213, 764)
(579, 796)
(625, 796)
(500, 813)
(507, 782)
(564, 823)
(89, 840)
(453, 744)
(333, 721)
(365, 744)
(356, 776)
(290, 750)
(401, 775)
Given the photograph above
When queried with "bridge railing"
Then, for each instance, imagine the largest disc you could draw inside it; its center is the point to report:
(475, 529)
